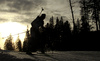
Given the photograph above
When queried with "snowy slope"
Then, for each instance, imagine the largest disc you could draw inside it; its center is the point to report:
(57, 56)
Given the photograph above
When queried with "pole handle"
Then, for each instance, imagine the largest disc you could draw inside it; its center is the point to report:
(41, 11)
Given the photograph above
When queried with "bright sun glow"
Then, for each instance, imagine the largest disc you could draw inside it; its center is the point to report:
(12, 28)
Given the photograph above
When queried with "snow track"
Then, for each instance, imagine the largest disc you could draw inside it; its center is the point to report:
(55, 56)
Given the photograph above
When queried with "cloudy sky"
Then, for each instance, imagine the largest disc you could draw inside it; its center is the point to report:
(23, 12)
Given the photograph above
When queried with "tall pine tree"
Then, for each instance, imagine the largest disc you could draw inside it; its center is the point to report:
(9, 45)
(18, 44)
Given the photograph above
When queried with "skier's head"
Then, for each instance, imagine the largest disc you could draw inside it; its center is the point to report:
(43, 16)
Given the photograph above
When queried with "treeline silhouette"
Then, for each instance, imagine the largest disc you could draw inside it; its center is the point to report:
(10, 45)
(60, 36)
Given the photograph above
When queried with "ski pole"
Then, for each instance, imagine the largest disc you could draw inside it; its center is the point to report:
(41, 11)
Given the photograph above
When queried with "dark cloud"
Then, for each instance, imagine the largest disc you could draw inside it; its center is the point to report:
(21, 5)
(3, 20)
(27, 21)
(2, 1)
(10, 10)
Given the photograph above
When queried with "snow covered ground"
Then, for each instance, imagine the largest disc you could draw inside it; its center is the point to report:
(49, 56)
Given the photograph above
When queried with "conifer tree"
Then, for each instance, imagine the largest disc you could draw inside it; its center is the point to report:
(26, 41)
(18, 44)
(9, 45)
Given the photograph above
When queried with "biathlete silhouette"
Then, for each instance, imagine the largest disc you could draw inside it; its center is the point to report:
(37, 24)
